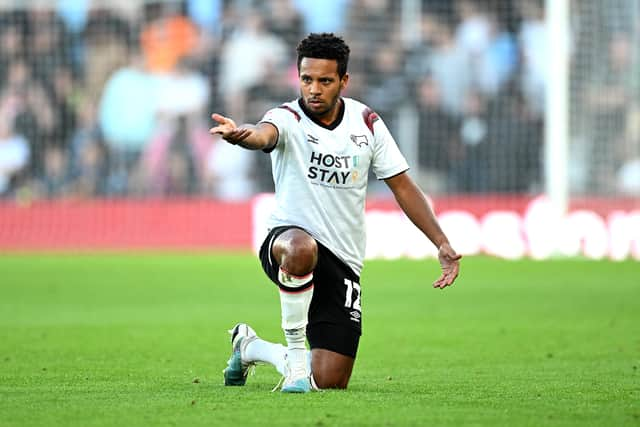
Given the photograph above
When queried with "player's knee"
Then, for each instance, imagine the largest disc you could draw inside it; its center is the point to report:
(296, 251)
(325, 380)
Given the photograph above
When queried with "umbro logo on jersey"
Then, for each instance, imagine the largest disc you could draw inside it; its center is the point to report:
(360, 140)
(312, 139)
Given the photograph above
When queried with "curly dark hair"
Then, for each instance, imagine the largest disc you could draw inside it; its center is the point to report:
(325, 46)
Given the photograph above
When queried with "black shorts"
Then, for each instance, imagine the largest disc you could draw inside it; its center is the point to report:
(335, 316)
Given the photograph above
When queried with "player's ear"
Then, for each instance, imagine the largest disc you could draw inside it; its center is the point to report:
(344, 81)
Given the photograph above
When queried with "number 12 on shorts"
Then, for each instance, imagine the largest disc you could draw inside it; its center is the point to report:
(350, 301)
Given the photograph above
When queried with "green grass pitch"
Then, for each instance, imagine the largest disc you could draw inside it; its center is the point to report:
(124, 340)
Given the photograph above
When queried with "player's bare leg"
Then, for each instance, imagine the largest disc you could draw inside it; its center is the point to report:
(331, 369)
(297, 254)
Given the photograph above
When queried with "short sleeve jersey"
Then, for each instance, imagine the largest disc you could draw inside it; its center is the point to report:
(320, 173)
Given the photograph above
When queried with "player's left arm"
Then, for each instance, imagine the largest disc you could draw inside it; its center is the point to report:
(415, 206)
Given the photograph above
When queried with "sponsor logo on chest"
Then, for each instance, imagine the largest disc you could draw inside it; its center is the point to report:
(333, 170)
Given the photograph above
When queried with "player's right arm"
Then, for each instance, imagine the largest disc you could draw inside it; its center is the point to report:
(262, 136)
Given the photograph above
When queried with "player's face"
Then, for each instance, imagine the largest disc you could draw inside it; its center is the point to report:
(320, 86)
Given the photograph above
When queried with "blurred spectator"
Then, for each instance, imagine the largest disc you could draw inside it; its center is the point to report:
(127, 9)
(277, 86)
(207, 62)
(470, 171)
(473, 34)
(12, 42)
(36, 117)
(107, 38)
(18, 74)
(323, 16)
(183, 92)
(244, 59)
(607, 102)
(48, 43)
(167, 37)
(535, 52)
(285, 22)
(449, 66)
(514, 144)
(386, 86)
(628, 174)
(175, 155)
(55, 177)
(369, 26)
(47, 122)
(88, 155)
(438, 136)
(14, 148)
(207, 14)
(127, 117)
(628, 178)
(90, 171)
(498, 62)
(62, 95)
(229, 172)
(74, 13)
(174, 161)
(418, 54)
(489, 49)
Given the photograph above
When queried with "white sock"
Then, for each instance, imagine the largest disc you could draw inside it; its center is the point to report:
(296, 352)
(295, 311)
(263, 351)
(260, 350)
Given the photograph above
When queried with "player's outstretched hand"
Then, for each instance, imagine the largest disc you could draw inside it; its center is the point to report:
(228, 129)
(450, 265)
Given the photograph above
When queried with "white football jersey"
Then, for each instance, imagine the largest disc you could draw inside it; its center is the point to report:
(320, 173)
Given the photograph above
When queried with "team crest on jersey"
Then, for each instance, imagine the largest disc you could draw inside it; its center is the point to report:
(360, 140)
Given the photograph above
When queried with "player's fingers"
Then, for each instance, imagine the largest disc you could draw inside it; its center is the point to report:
(452, 276)
(451, 273)
(219, 118)
(444, 284)
(449, 277)
(438, 282)
(224, 121)
(446, 279)
(455, 269)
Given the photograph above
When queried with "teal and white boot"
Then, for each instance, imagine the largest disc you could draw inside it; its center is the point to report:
(237, 370)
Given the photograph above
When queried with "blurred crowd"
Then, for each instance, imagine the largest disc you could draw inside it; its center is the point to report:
(112, 98)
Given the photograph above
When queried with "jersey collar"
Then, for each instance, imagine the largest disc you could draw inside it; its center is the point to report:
(330, 126)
